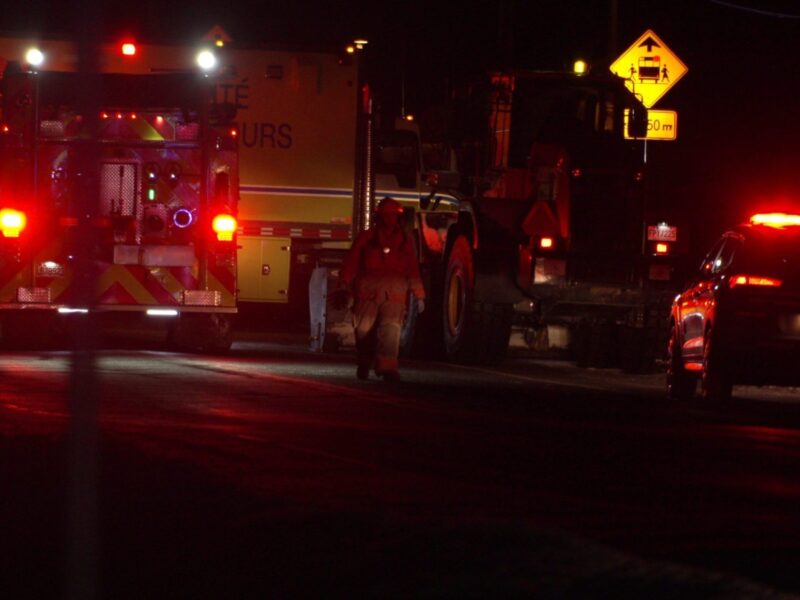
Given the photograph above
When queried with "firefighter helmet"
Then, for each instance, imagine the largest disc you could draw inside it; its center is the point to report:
(389, 205)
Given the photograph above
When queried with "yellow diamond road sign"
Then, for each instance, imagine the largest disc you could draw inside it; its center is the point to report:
(649, 68)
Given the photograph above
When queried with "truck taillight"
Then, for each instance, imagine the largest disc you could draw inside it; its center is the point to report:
(224, 226)
(12, 222)
(753, 280)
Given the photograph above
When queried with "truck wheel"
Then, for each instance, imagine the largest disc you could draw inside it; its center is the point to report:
(680, 383)
(211, 333)
(30, 330)
(459, 281)
(472, 331)
(716, 382)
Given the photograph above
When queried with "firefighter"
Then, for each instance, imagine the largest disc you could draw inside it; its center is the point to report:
(380, 270)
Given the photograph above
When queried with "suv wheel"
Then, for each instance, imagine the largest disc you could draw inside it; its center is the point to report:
(680, 383)
(716, 383)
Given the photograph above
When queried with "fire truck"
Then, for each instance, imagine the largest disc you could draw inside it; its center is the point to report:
(160, 228)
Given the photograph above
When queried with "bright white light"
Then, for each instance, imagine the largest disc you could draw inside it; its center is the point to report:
(206, 60)
(34, 57)
(162, 312)
(72, 311)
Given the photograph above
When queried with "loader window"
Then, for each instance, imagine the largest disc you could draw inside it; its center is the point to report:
(398, 155)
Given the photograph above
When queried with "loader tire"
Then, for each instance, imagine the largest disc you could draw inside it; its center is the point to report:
(472, 331)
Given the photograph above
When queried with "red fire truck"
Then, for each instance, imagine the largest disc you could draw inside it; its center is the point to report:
(161, 227)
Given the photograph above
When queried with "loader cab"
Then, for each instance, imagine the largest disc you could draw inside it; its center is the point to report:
(397, 157)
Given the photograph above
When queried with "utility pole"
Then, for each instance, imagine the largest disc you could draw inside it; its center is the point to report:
(613, 29)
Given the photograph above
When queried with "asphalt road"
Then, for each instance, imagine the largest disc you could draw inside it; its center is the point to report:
(273, 472)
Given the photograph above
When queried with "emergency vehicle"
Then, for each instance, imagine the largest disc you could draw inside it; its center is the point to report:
(313, 162)
(738, 320)
(160, 229)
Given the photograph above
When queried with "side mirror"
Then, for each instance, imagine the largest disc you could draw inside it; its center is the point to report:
(637, 122)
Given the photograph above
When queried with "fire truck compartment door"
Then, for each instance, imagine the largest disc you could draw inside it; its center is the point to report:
(264, 269)
(154, 256)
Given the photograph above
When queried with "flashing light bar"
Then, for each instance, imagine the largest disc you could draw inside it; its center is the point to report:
(162, 312)
(777, 220)
(753, 280)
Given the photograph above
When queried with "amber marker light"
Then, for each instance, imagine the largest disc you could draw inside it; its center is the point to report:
(224, 226)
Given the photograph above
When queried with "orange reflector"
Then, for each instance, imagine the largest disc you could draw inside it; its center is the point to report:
(737, 280)
(546, 242)
(662, 248)
(775, 219)
(224, 226)
(12, 222)
(129, 49)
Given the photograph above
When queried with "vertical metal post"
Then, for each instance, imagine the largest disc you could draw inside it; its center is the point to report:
(83, 465)
(613, 27)
(364, 181)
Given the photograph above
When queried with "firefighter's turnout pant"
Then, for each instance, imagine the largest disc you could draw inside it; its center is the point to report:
(378, 319)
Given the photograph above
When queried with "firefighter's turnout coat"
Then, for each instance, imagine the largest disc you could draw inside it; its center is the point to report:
(381, 269)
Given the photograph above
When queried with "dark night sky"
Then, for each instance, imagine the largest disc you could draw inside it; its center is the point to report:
(738, 132)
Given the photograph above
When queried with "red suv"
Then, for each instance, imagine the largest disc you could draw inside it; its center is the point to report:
(738, 321)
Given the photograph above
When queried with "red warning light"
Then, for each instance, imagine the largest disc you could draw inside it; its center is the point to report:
(754, 280)
(546, 243)
(224, 226)
(128, 49)
(662, 248)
